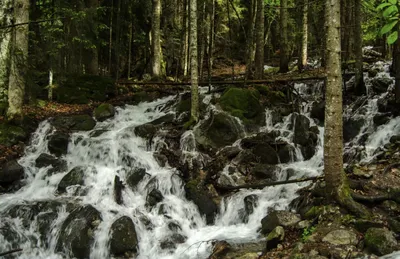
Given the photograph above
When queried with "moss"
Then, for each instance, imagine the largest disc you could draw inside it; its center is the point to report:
(189, 124)
(41, 103)
(316, 211)
(271, 70)
(3, 108)
(11, 135)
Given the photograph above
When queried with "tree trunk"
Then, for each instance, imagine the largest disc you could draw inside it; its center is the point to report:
(250, 40)
(110, 38)
(304, 37)
(193, 61)
(336, 183)
(284, 53)
(211, 41)
(19, 55)
(259, 59)
(156, 39)
(358, 43)
(396, 66)
(185, 38)
(5, 47)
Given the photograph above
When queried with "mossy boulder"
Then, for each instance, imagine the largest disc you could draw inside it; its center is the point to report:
(74, 122)
(11, 172)
(278, 218)
(77, 232)
(104, 111)
(380, 241)
(58, 144)
(275, 237)
(11, 135)
(244, 104)
(218, 131)
(123, 237)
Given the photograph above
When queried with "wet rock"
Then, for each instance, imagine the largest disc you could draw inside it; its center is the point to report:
(218, 131)
(286, 153)
(146, 131)
(303, 224)
(275, 237)
(380, 241)
(394, 225)
(380, 119)
(77, 232)
(11, 172)
(118, 186)
(154, 197)
(123, 237)
(44, 223)
(250, 202)
(278, 218)
(318, 111)
(103, 112)
(97, 133)
(160, 158)
(168, 118)
(260, 138)
(58, 144)
(266, 154)
(74, 177)
(171, 241)
(381, 84)
(362, 225)
(301, 128)
(134, 177)
(263, 171)
(352, 127)
(146, 222)
(45, 160)
(74, 122)
(229, 152)
(174, 226)
(341, 237)
(203, 200)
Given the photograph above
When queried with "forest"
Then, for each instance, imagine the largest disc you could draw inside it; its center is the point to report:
(207, 129)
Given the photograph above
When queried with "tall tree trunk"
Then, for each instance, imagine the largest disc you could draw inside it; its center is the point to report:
(259, 62)
(250, 40)
(185, 38)
(93, 66)
(284, 54)
(304, 37)
(230, 38)
(396, 66)
(335, 178)
(193, 61)
(5, 48)
(19, 55)
(210, 41)
(358, 44)
(110, 38)
(156, 39)
(130, 49)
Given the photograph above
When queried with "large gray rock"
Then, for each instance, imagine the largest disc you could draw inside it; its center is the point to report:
(380, 241)
(146, 131)
(104, 111)
(171, 241)
(135, 176)
(123, 237)
(341, 237)
(200, 196)
(154, 197)
(265, 154)
(381, 84)
(278, 218)
(74, 122)
(263, 172)
(58, 143)
(74, 177)
(218, 131)
(11, 172)
(77, 232)
(301, 129)
(318, 111)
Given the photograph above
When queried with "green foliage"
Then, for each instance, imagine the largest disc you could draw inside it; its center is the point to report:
(307, 232)
(390, 13)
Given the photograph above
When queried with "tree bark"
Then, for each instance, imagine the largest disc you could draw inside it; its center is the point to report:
(336, 183)
(185, 38)
(250, 40)
(284, 51)
(19, 55)
(5, 47)
(358, 44)
(193, 62)
(396, 66)
(156, 39)
(304, 37)
(210, 41)
(259, 59)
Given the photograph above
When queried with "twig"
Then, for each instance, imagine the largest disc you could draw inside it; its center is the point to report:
(11, 251)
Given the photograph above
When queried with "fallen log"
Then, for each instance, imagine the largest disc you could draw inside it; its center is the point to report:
(263, 185)
(11, 252)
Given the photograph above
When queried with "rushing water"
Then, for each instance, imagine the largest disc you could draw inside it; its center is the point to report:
(111, 152)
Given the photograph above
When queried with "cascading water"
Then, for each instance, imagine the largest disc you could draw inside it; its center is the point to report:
(112, 147)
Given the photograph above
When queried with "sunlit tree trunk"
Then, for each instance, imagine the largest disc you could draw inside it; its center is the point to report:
(358, 44)
(259, 59)
(304, 37)
(19, 55)
(284, 54)
(193, 61)
(156, 39)
(211, 40)
(5, 47)
(250, 39)
(396, 66)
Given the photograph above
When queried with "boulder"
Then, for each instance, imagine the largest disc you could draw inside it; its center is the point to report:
(45, 160)
(123, 237)
(264, 171)
(318, 111)
(11, 135)
(341, 237)
(135, 176)
(352, 127)
(11, 172)
(250, 202)
(171, 241)
(286, 153)
(380, 119)
(260, 138)
(168, 118)
(278, 218)
(265, 154)
(154, 197)
(229, 152)
(301, 129)
(58, 144)
(275, 237)
(161, 159)
(74, 122)
(77, 232)
(146, 131)
(219, 130)
(380, 241)
(118, 186)
(200, 196)
(381, 84)
(103, 112)
(74, 177)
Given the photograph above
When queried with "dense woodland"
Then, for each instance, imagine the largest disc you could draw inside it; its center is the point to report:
(70, 56)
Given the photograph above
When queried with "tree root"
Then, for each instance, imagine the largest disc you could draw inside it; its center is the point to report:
(391, 194)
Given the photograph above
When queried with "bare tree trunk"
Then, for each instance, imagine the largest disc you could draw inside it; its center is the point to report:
(211, 41)
(230, 38)
(259, 62)
(156, 39)
(203, 37)
(396, 66)
(185, 38)
(130, 49)
(284, 54)
(110, 38)
(250, 40)
(19, 55)
(335, 178)
(358, 44)
(193, 61)
(304, 37)
(5, 48)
